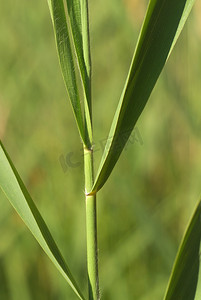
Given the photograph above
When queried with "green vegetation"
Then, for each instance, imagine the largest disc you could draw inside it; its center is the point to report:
(144, 209)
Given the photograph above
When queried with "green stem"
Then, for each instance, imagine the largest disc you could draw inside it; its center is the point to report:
(87, 59)
(91, 218)
(91, 228)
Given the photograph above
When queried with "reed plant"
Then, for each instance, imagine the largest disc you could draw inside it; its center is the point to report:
(162, 25)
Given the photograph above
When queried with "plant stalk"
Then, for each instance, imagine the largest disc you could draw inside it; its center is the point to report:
(91, 228)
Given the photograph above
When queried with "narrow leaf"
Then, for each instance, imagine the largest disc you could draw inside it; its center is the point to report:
(78, 15)
(62, 37)
(14, 189)
(75, 16)
(184, 278)
(158, 34)
(74, 11)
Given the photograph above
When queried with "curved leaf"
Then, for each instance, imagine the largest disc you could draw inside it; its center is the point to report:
(158, 34)
(14, 189)
(184, 277)
(62, 37)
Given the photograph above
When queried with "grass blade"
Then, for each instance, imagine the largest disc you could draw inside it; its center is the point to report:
(158, 34)
(184, 278)
(62, 37)
(74, 11)
(14, 189)
(78, 15)
(77, 10)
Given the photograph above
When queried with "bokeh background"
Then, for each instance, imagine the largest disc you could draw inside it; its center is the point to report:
(144, 207)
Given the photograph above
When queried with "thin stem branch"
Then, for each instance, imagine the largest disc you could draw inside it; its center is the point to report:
(87, 59)
(91, 217)
(91, 228)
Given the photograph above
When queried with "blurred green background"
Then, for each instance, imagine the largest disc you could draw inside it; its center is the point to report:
(144, 208)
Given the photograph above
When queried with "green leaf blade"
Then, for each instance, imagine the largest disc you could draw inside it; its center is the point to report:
(62, 37)
(154, 45)
(78, 15)
(184, 277)
(75, 15)
(14, 189)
